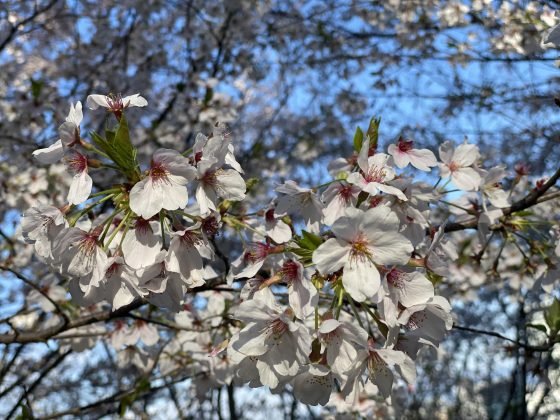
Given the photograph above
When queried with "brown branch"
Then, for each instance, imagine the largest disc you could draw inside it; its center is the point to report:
(38, 289)
(119, 396)
(542, 348)
(15, 28)
(102, 316)
(43, 335)
(44, 373)
(534, 197)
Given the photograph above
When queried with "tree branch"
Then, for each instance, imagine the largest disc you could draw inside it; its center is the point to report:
(534, 197)
(542, 348)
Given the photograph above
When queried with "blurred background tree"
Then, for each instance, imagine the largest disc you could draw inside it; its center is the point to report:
(292, 79)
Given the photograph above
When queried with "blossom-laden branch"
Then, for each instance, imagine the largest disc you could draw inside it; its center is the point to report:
(534, 197)
(338, 280)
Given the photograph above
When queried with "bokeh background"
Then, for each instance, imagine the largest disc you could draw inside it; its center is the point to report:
(292, 80)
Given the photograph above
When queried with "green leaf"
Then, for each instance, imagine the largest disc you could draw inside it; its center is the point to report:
(36, 88)
(122, 142)
(361, 198)
(523, 213)
(302, 252)
(141, 387)
(539, 327)
(26, 413)
(118, 147)
(552, 317)
(309, 241)
(358, 139)
(208, 96)
(373, 131)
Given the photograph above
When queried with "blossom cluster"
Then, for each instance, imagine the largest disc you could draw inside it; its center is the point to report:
(335, 288)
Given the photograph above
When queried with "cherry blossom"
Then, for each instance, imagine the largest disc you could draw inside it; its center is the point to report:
(403, 153)
(457, 164)
(376, 172)
(69, 133)
(164, 187)
(363, 239)
(115, 103)
(81, 185)
(301, 201)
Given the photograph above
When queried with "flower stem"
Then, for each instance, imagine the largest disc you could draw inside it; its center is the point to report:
(118, 228)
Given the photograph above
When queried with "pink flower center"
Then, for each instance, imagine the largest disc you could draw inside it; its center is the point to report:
(395, 278)
(77, 162)
(375, 201)
(210, 226)
(88, 244)
(269, 215)
(290, 271)
(521, 169)
(257, 252)
(345, 193)
(115, 102)
(331, 336)
(142, 226)
(113, 269)
(453, 166)
(209, 178)
(158, 172)
(190, 238)
(375, 363)
(375, 174)
(360, 247)
(416, 320)
(404, 145)
(277, 328)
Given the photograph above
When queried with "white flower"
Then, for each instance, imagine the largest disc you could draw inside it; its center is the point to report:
(441, 253)
(69, 133)
(301, 202)
(142, 243)
(363, 239)
(314, 385)
(552, 35)
(302, 294)
(120, 284)
(429, 321)
(408, 288)
(340, 340)
(113, 282)
(338, 197)
(491, 188)
(78, 252)
(80, 187)
(404, 289)
(221, 135)
(165, 288)
(378, 362)
(271, 336)
(185, 255)
(214, 181)
(165, 187)
(249, 262)
(376, 171)
(275, 228)
(403, 154)
(143, 331)
(457, 162)
(115, 103)
(40, 225)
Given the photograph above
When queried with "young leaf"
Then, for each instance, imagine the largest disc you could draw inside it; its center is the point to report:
(358, 139)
